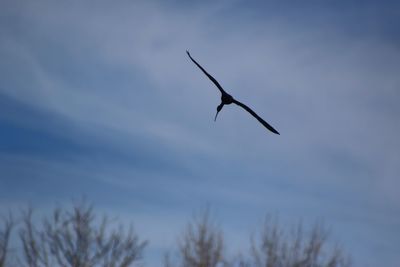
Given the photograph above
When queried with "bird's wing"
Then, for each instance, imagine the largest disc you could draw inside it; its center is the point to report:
(206, 73)
(263, 122)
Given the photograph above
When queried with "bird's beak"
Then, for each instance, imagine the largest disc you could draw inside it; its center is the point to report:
(216, 116)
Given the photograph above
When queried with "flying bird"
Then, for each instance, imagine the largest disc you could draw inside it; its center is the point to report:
(227, 99)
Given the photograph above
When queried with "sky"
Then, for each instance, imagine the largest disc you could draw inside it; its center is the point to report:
(99, 99)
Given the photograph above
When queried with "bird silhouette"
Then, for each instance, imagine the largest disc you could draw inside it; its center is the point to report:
(227, 99)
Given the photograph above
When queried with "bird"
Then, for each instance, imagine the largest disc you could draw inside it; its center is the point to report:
(227, 99)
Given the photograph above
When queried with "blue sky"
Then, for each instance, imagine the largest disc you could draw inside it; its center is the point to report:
(101, 100)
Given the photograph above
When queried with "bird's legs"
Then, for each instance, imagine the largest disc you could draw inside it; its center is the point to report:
(218, 110)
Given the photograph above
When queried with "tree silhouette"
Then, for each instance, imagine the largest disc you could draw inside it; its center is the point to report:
(75, 239)
(201, 244)
(275, 247)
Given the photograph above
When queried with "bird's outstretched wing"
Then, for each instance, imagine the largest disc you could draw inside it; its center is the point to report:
(263, 122)
(206, 73)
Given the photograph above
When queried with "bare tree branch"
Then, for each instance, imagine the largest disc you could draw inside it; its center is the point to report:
(5, 231)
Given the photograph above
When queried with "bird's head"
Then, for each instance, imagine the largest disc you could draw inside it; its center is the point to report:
(218, 110)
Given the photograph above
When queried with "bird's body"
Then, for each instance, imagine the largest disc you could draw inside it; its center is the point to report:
(227, 99)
